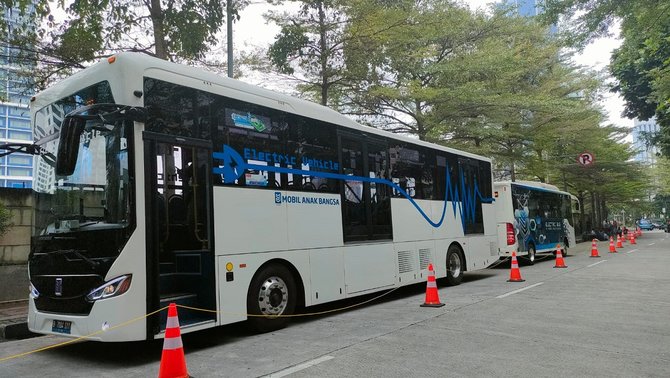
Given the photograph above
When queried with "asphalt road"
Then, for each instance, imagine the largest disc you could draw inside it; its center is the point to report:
(605, 317)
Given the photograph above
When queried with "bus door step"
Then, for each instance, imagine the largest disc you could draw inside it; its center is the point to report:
(186, 316)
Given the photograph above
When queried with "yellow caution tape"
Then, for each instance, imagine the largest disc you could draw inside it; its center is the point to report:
(80, 338)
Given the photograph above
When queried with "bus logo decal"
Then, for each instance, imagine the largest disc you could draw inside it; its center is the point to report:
(58, 288)
(462, 200)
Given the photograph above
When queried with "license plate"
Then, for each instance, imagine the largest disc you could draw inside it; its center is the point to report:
(61, 326)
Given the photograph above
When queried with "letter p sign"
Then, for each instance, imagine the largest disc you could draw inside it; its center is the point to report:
(585, 158)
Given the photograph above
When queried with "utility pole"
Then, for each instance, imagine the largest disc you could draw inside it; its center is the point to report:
(229, 28)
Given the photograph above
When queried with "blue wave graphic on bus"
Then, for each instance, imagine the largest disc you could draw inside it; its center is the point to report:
(234, 166)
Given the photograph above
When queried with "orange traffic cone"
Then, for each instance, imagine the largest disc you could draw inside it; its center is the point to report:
(559, 258)
(612, 248)
(618, 242)
(632, 239)
(173, 363)
(594, 248)
(432, 298)
(515, 272)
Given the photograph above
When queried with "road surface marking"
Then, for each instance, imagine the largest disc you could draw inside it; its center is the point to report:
(631, 251)
(303, 366)
(599, 262)
(651, 244)
(520, 290)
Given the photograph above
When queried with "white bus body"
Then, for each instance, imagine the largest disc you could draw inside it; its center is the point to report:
(313, 246)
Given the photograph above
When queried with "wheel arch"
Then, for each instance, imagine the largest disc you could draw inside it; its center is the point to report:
(300, 286)
(461, 251)
(529, 244)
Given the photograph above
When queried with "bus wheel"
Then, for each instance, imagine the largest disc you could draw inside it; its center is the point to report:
(531, 254)
(272, 293)
(454, 265)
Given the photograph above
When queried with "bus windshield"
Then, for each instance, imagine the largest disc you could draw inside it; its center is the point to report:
(97, 195)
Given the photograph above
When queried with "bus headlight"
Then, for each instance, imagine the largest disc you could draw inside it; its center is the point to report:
(112, 288)
(34, 294)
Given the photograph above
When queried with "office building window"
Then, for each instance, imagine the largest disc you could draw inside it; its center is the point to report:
(20, 160)
(18, 184)
(15, 123)
(18, 112)
(20, 135)
(11, 171)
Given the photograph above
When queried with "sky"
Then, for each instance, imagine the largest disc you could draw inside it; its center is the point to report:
(252, 31)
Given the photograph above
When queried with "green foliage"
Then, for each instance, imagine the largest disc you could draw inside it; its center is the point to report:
(642, 63)
(311, 41)
(168, 29)
(288, 44)
(586, 20)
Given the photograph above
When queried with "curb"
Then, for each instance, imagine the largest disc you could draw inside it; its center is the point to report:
(16, 331)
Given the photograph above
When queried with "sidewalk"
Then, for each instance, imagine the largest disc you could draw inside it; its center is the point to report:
(14, 302)
(13, 320)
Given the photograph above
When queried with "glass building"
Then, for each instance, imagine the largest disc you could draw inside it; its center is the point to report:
(16, 170)
(530, 8)
(642, 131)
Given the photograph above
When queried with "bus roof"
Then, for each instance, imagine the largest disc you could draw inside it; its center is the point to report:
(534, 185)
(221, 85)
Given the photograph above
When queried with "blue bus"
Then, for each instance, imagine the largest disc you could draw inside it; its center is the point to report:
(532, 218)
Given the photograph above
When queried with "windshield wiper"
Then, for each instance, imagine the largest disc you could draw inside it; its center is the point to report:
(90, 223)
(92, 263)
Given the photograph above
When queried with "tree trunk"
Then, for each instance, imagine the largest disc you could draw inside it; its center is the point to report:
(159, 35)
(324, 55)
(594, 212)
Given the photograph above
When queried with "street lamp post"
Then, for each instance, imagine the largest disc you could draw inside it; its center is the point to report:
(623, 218)
(229, 27)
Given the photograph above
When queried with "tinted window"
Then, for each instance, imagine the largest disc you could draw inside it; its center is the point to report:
(194, 107)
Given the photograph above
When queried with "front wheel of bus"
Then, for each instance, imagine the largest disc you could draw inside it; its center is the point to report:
(272, 294)
(454, 265)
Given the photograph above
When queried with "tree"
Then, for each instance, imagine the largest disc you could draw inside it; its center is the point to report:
(530, 103)
(641, 64)
(497, 86)
(399, 52)
(642, 68)
(309, 47)
(173, 30)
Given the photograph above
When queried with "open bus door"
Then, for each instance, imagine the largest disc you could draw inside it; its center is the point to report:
(180, 254)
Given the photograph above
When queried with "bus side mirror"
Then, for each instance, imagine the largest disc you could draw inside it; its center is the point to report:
(68, 145)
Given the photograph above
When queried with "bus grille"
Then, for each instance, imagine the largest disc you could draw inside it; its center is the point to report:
(425, 258)
(405, 261)
(66, 297)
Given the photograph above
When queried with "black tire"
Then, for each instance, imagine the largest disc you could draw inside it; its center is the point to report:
(455, 264)
(272, 292)
(532, 254)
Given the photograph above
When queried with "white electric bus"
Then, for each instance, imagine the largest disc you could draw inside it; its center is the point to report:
(161, 183)
(532, 218)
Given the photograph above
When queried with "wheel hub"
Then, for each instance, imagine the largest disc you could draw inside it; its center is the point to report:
(455, 265)
(273, 296)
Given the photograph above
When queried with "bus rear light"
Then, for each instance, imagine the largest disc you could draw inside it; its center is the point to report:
(511, 238)
(111, 288)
